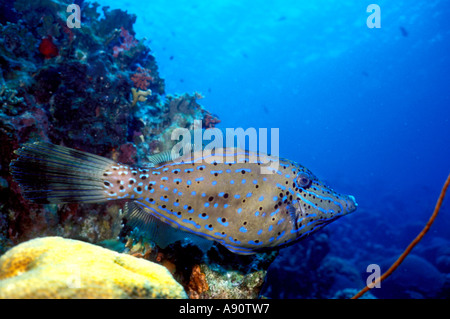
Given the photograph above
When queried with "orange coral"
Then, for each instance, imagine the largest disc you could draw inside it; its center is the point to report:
(210, 120)
(197, 284)
(142, 78)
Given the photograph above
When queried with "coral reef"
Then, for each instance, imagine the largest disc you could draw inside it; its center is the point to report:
(54, 267)
(94, 88)
(216, 274)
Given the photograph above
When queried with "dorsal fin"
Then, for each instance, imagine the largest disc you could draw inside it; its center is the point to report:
(167, 156)
(163, 157)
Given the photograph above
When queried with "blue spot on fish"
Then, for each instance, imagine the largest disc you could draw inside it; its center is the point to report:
(251, 242)
(203, 216)
(222, 221)
(281, 235)
(220, 234)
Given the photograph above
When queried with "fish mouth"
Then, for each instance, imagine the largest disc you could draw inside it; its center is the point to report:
(351, 204)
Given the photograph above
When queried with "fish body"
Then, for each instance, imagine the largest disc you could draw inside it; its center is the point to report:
(231, 196)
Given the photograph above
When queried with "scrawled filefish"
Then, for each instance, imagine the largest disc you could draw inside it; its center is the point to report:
(223, 197)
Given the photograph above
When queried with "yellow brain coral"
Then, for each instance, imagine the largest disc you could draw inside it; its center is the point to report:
(54, 267)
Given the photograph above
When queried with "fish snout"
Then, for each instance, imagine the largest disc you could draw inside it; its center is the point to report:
(351, 204)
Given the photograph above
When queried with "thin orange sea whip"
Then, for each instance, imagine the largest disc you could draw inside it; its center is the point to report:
(412, 244)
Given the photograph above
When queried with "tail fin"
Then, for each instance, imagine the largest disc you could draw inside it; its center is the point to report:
(50, 173)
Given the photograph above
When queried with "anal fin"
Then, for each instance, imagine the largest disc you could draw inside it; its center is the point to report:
(157, 231)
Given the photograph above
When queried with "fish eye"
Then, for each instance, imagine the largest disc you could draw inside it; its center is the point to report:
(303, 179)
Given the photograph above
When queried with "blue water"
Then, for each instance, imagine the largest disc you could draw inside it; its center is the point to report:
(367, 110)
